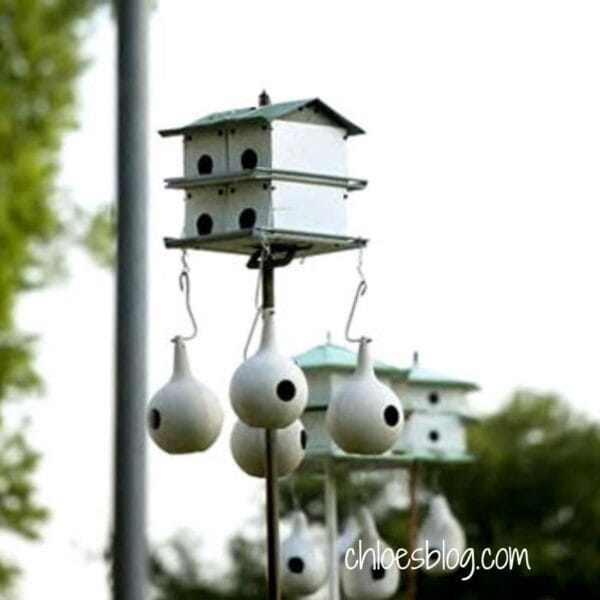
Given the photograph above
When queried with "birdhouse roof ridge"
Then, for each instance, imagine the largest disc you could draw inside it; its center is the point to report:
(267, 113)
(417, 375)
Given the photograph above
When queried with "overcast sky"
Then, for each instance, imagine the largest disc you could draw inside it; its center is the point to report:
(482, 154)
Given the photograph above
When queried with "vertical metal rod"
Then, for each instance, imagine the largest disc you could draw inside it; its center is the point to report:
(331, 518)
(272, 492)
(129, 556)
(413, 523)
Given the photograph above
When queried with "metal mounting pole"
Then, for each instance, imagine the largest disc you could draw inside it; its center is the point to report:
(129, 556)
(413, 523)
(332, 532)
(272, 510)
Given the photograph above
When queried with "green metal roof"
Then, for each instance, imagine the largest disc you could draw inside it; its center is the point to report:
(416, 375)
(330, 356)
(267, 113)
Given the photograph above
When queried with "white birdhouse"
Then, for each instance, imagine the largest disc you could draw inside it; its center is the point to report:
(441, 537)
(303, 562)
(365, 416)
(438, 412)
(268, 390)
(248, 447)
(375, 580)
(184, 415)
(278, 166)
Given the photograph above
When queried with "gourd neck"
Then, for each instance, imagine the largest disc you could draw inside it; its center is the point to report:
(268, 340)
(181, 363)
(364, 364)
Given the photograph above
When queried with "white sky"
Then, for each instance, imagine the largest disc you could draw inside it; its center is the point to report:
(482, 152)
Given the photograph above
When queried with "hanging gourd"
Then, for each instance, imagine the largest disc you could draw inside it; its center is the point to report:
(184, 415)
(268, 390)
(365, 416)
(375, 580)
(249, 452)
(441, 534)
(303, 563)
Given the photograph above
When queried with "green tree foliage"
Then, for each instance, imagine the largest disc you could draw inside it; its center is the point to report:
(535, 484)
(40, 59)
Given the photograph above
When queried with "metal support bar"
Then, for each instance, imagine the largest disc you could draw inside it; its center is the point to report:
(272, 492)
(413, 523)
(331, 518)
(129, 556)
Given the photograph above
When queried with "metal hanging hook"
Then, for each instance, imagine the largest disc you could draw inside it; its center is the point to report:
(360, 291)
(265, 253)
(185, 287)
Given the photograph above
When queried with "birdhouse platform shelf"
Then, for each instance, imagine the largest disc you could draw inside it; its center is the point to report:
(281, 242)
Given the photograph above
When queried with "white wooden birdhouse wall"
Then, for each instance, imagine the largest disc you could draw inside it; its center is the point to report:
(279, 166)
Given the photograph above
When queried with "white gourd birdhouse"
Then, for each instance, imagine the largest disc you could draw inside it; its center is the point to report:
(277, 166)
(375, 580)
(184, 415)
(365, 416)
(248, 448)
(268, 390)
(303, 562)
(441, 537)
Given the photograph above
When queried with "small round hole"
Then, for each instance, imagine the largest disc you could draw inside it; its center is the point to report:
(204, 165)
(434, 436)
(434, 554)
(249, 159)
(247, 218)
(391, 415)
(204, 224)
(303, 439)
(154, 419)
(286, 390)
(377, 572)
(434, 398)
(296, 564)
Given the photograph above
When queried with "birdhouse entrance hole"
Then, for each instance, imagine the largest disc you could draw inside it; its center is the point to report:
(204, 224)
(296, 564)
(204, 165)
(247, 218)
(377, 572)
(434, 398)
(434, 436)
(391, 416)
(286, 390)
(249, 159)
(303, 439)
(154, 419)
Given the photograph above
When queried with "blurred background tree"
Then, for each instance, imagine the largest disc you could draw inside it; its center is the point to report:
(535, 484)
(40, 59)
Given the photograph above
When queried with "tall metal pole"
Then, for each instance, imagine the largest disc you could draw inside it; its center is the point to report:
(129, 554)
(272, 509)
(331, 518)
(413, 523)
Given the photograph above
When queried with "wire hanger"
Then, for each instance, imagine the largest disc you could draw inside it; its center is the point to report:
(360, 292)
(185, 287)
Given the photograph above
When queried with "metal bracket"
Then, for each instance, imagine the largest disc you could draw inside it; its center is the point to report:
(280, 256)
